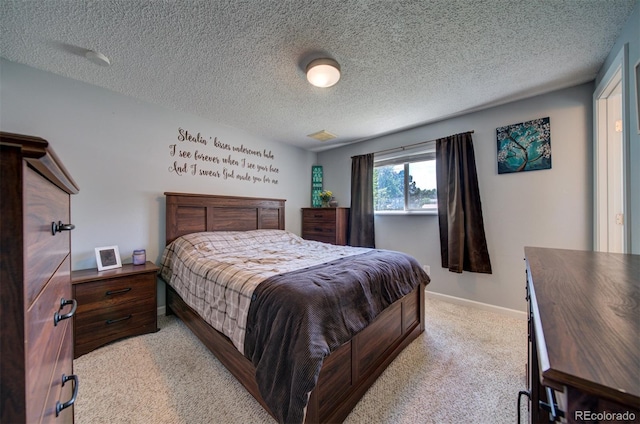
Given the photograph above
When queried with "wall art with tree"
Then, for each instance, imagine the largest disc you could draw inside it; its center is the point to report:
(525, 146)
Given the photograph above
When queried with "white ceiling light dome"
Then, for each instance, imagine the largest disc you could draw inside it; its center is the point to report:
(323, 72)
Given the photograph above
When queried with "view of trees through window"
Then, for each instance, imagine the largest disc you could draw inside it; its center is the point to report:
(413, 181)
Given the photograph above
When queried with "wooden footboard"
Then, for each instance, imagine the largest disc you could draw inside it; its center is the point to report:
(350, 370)
(346, 374)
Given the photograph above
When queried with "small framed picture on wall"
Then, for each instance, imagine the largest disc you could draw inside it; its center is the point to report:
(108, 258)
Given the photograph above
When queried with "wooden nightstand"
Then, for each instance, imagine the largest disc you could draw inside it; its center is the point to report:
(113, 304)
(329, 225)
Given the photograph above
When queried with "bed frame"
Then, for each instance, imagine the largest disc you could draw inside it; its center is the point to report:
(351, 369)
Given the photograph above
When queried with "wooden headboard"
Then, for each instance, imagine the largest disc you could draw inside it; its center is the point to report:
(191, 213)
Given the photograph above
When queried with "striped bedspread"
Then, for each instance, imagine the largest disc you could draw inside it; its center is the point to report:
(216, 273)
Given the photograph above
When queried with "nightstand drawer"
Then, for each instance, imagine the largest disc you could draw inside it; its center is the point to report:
(112, 325)
(113, 310)
(105, 294)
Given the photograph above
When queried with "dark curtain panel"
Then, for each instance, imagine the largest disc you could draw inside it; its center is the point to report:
(463, 245)
(361, 232)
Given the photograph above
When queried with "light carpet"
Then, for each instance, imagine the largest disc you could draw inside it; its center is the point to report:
(467, 367)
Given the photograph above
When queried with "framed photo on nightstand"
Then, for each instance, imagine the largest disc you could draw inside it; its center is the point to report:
(108, 258)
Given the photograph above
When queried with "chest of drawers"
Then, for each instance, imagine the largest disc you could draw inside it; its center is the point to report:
(36, 338)
(113, 304)
(328, 225)
(583, 329)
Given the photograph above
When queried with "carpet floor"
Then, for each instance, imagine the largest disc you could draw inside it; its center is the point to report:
(467, 367)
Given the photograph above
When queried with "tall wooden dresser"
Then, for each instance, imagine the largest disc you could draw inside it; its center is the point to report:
(37, 384)
(328, 225)
(584, 322)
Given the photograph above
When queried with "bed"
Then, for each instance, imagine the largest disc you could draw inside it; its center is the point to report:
(350, 368)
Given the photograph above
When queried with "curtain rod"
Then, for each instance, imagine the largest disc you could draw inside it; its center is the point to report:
(409, 146)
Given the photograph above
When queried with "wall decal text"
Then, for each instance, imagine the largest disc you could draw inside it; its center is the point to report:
(198, 155)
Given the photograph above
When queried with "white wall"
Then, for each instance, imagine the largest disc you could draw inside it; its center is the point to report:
(547, 208)
(117, 151)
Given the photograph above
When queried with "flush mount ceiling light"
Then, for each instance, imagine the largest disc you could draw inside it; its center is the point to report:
(97, 58)
(323, 72)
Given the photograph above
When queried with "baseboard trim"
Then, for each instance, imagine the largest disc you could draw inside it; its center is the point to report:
(162, 310)
(513, 313)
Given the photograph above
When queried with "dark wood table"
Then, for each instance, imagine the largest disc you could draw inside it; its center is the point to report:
(584, 331)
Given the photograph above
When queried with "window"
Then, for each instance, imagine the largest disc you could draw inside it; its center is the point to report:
(405, 183)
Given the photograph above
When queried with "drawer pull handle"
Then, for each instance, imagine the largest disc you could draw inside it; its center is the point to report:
(317, 229)
(60, 227)
(61, 406)
(317, 216)
(57, 317)
(113, 321)
(110, 292)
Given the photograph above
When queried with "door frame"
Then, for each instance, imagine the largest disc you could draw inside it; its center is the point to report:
(618, 66)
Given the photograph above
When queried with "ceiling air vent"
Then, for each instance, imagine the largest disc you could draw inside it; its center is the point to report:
(322, 136)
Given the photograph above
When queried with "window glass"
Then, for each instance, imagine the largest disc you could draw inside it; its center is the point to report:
(388, 188)
(405, 184)
(422, 186)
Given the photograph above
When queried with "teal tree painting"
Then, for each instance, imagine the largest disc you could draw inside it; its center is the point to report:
(524, 147)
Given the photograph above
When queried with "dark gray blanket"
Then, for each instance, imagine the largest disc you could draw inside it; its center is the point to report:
(296, 319)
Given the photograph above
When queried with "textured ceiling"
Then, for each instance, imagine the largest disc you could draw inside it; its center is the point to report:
(240, 63)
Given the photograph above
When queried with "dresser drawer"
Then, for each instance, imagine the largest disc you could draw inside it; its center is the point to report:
(324, 238)
(57, 391)
(44, 338)
(98, 296)
(313, 229)
(319, 215)
(44, 204)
